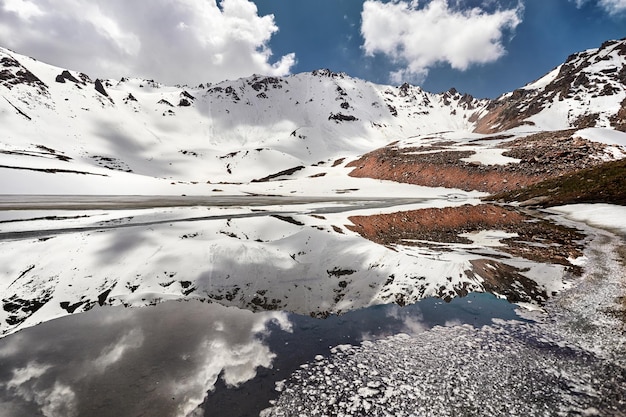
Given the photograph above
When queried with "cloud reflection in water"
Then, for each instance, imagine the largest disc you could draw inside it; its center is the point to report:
(151, 361)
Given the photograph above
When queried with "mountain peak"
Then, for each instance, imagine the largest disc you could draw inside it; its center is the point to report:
(587, 90)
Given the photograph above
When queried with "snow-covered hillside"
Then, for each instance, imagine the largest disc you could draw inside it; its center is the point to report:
(588, 90)
(130, 131)
(64, 132)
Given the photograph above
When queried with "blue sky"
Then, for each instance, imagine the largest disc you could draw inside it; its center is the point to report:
(326, 33)
(482, 47)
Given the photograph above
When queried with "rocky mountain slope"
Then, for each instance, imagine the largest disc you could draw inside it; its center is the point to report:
(542, 131)
(585, 91)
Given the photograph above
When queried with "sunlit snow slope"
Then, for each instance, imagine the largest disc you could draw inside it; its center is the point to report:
(95, 135)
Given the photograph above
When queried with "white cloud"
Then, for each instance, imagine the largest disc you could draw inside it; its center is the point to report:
(60, 401)
(412, 320)
(180, 350)
(181, 41)
(56, 401)
(233, 349)
(114, 352)
(32, 370)
(23, 8)
(612, 7)
(418, 38)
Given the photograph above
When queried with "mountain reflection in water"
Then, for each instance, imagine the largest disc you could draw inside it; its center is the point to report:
(163, 360)
(237, 293)
(307, 259)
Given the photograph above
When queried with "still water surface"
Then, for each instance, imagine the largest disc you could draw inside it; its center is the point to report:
(167, 359)
(258, 293)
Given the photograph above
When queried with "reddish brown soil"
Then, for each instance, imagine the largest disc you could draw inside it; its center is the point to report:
(395, 165)
(537, 240)
(543, 156)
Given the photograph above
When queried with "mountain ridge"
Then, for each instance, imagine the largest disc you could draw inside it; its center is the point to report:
(581, 82)
(62, 121)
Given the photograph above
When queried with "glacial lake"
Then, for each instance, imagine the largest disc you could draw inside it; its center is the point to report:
(167, 308)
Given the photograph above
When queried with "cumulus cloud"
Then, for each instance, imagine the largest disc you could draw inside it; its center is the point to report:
(612, 7)
(114, 353)
(418, 38)
(178, 351)
(56, 400)
(171, 41)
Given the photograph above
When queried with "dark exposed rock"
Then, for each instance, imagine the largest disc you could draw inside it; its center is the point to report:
(287, 219)
(404, 90)
(71, 308)
(14, 73)
(21, 308)
(264, 83)
(186, 95)
(468, 101)
(84, 78)
(66, 75)
(587, 120)
(231, 91)
(506, 280)
(325, 72)
(228, 91)
(618, 120)
(285, 172)
(102, 297)
(339, 117)
(111, 163)
(100, 88)
(51, 170)
(19, 111)
(129, 97)
(339, 272)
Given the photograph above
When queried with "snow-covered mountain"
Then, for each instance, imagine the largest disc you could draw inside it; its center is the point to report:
(588, 90)
(64, 122)
(139, 136)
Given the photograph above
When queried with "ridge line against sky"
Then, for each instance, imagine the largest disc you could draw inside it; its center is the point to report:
(483, 47)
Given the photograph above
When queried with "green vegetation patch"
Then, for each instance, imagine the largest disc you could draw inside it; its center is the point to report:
(605, 183)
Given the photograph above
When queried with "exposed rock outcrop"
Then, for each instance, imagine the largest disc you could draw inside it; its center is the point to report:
(100, 88)
(67, 76)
